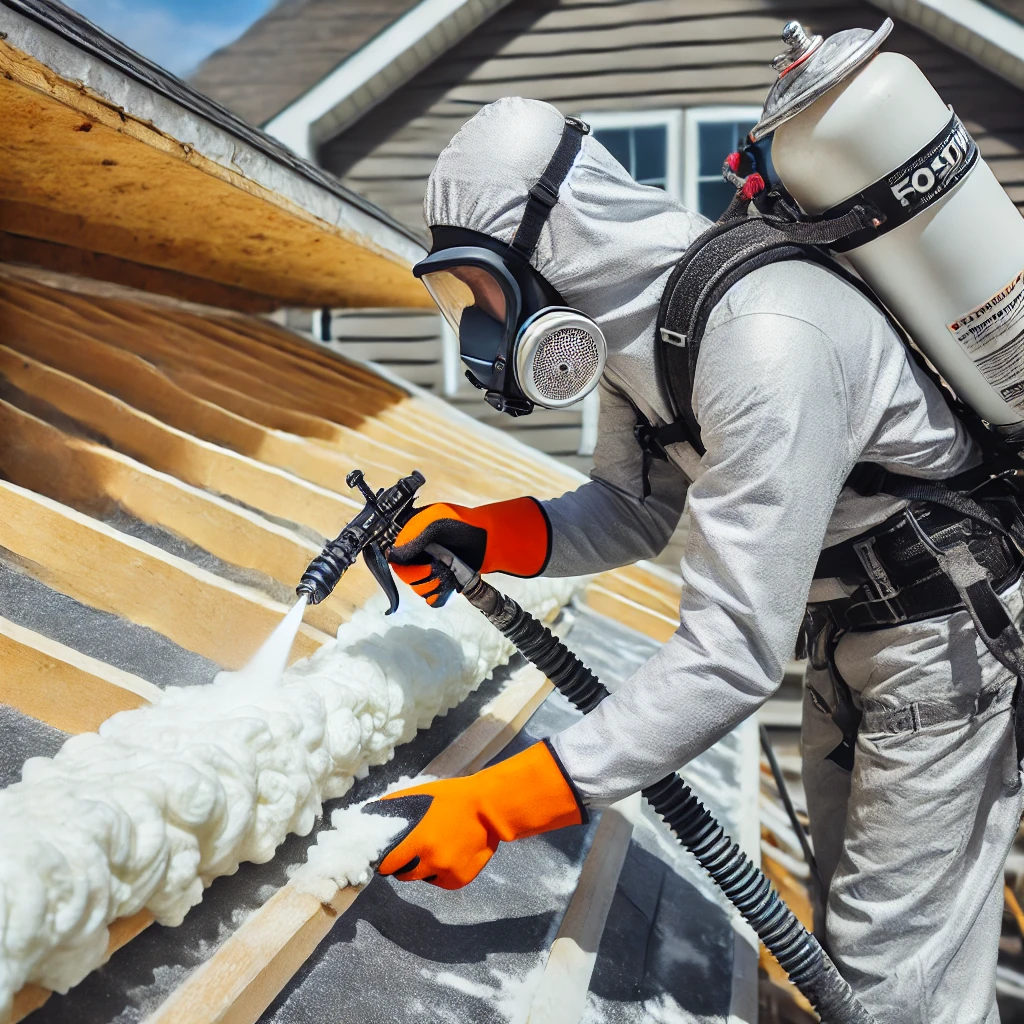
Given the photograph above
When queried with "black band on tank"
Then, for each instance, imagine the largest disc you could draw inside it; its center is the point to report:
(915, 185)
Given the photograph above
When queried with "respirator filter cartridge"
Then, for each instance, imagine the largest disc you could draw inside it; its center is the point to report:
(560, 357)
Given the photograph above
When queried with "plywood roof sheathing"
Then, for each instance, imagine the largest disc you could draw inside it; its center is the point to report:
(109, 157)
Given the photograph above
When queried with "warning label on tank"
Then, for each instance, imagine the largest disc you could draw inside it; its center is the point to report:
(993, 336)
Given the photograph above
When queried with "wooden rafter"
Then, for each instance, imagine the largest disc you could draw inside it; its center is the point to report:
(177, 453)
(91, 478)
(61, 686)
(561, 996)
(101, 567)
(72, 156)
(121, 932)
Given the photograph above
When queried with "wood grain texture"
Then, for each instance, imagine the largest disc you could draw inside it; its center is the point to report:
(105, 569)
(172, 451)
(632, 613)
(241, 979)
(62, 687)
(77, 172)
(72, 260)
(94, 479)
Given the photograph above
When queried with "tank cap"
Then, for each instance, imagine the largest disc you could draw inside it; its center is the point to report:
(799, 46)
(811, 66)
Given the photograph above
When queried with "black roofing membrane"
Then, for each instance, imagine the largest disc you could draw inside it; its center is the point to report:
(102, 635)
(411, 952)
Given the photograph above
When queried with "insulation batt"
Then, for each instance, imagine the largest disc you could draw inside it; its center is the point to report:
(163, 799)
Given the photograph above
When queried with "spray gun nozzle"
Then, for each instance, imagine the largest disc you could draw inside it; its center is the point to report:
(370, 534)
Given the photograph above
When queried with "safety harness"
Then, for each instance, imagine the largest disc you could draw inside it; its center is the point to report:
(956, 544)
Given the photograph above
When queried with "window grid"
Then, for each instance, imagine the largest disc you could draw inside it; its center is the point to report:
(625, 134)
(710, 134)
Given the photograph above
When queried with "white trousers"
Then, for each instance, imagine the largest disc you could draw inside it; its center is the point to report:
(912, 843)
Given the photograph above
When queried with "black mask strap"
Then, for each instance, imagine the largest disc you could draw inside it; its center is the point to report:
(544, 194)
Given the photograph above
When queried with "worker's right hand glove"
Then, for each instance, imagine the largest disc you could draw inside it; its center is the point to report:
(455, 825)
(509, 536)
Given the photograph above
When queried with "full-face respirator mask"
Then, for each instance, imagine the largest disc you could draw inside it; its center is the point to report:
(521, 344)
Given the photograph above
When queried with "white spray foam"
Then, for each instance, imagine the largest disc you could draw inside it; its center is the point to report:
(509, 994)
(344, 853)
(165, 798)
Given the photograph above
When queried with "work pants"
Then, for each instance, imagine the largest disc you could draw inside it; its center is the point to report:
(911, 844)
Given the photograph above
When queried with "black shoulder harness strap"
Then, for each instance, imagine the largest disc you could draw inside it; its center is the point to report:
(716, 260)
(544, 195)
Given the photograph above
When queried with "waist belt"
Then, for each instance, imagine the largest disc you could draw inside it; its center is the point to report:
(896, 575)
(946, 551)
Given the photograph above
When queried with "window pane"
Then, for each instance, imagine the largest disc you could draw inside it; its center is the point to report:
(713, 197)
(651, 153)
(716, 140)
(616, 141)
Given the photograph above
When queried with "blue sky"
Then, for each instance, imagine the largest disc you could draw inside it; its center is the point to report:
(176, 34)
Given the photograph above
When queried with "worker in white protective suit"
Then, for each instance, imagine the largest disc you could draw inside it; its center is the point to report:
(799, 378)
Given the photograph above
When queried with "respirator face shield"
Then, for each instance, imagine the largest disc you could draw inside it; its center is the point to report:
(519, 341)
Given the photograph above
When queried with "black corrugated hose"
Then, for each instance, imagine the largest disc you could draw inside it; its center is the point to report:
(799, 953)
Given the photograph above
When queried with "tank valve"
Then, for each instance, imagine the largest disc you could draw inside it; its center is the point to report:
(799, 46)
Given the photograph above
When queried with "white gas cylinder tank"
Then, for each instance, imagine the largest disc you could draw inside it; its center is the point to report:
(947, 254)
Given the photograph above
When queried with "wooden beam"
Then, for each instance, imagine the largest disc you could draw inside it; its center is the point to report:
(307, 382)
(310, 392)
(69, 259)
(173, 451)
(75, 351)
(71, 158)
(97, 565)
(242, 978)
(93, 478)
(311, 386)
(629, 612)
(121, 932)
(561, 996)
(499, 723)
(62, 687)
(645, 587)
(71, 336)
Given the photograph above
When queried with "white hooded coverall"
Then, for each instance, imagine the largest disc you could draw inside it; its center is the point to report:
(799, 377)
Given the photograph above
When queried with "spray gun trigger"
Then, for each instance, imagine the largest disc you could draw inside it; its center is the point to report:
(375, 561)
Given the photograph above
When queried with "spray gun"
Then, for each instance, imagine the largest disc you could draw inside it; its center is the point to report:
(373, 532)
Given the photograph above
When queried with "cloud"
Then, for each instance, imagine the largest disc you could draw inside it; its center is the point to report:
(170, 39)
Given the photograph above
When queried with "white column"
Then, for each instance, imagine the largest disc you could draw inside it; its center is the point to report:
(451, 360)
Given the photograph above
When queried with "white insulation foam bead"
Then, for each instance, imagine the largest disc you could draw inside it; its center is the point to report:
(163, 799)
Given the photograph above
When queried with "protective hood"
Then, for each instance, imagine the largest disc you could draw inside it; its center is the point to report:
(608, 245)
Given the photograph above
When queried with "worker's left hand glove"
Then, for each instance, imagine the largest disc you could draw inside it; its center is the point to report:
(456, 824)
(508, 536)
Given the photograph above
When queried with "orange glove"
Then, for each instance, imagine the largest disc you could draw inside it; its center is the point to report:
(508, 536)
(456, 824)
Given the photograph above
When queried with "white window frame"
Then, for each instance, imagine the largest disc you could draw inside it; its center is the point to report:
(694, 117)
(672, 120)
